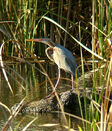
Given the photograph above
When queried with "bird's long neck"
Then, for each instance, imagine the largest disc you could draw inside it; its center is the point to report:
(50, 43)
(49, 53)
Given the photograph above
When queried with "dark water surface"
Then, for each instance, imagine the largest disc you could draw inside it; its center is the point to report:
(35, 89)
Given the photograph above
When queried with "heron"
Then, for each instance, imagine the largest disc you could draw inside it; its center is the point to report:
(61, 56)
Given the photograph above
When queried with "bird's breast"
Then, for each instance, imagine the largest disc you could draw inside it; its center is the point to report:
(64, 59)
(56, 57)
(59, 58)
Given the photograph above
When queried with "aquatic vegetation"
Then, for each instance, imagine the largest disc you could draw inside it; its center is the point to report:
(83, 29)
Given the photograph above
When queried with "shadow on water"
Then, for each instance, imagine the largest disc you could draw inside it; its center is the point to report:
(35, 89)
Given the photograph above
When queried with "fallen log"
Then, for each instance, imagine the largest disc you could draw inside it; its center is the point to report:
(69, 99)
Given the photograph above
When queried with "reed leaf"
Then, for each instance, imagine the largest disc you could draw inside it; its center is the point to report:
(3, 68)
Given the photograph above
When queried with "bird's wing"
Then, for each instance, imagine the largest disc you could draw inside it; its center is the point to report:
(71, 64)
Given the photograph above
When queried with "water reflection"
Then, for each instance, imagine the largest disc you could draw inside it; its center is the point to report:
(33, 91)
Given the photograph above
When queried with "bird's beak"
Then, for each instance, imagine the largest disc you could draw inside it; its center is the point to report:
(42, 40)
(35, 40)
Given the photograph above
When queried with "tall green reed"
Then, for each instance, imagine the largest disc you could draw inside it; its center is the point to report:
(28, 23)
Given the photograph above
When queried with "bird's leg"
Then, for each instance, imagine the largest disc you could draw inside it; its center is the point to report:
(59, 74)
(72, 77)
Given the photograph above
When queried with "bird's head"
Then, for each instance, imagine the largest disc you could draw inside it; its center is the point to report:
(46, 41)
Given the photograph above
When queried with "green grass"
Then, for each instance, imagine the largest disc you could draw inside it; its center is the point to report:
(21, 20)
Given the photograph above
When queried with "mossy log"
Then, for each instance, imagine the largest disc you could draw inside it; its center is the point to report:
(69, 99)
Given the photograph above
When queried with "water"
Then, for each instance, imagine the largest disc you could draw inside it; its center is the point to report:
(35, 85)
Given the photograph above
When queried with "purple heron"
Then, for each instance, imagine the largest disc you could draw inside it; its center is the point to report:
(61, 56)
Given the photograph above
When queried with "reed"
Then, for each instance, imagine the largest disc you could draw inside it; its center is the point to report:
(21, 20)
(82, 68)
